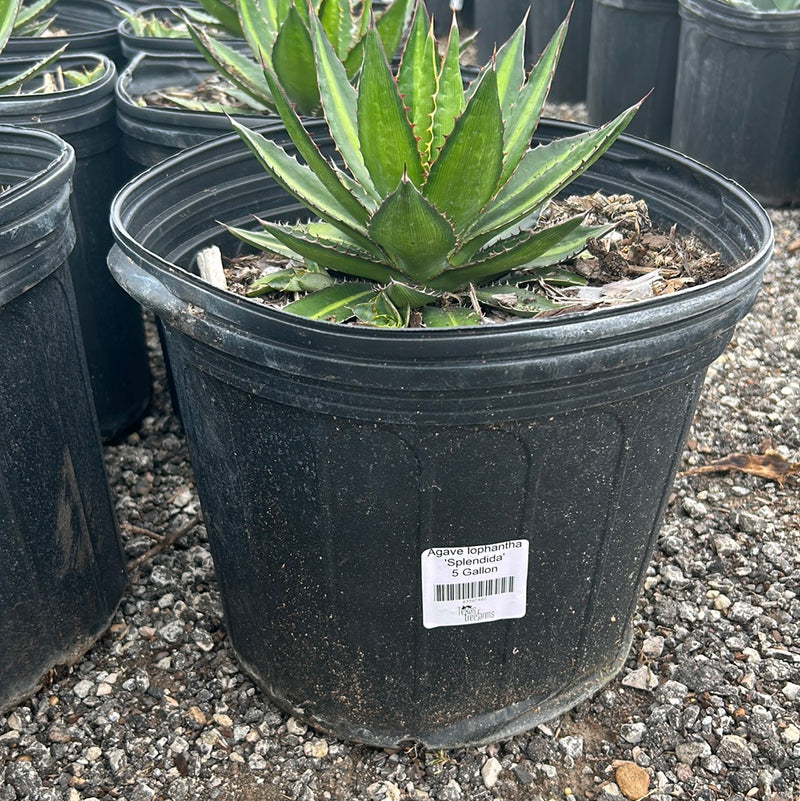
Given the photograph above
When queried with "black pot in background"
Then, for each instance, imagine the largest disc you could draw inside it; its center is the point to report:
(494, 21)
(633, 50)
(330, 459)
(91, 26)
(569, 81)
(737, 96)
(62, 572)
(151, 133)
(111, 323)
(132, 45)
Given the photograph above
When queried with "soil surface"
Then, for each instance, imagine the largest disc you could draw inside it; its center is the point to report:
(706, 706)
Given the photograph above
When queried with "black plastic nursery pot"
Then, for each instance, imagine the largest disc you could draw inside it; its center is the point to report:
(62, 572)
(111, 322)
(83, 25)
(569, 81)
(494, 22)
(633, 50)
(151, 132)
(132, 44)
(427, 535)
(737, 95)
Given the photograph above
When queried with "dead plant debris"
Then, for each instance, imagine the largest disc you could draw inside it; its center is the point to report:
(769, 465)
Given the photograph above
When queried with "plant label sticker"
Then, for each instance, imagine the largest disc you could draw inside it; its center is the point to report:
(474, 583)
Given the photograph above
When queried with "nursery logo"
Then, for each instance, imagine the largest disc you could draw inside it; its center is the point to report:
(473, 615)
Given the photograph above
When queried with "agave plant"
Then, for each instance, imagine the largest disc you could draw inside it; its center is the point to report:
(279, 34)
(19, 20)
(438, 190)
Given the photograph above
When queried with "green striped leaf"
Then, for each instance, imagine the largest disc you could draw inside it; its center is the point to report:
(450, 95)
(510, 69)
(339, 102)
(337, 21)
(8, 14)
(16, 82)
(386, 140)
(333, 304)
(392, 23)
(464, 176)
(299, 180)
(333, 256)
(449, 317)
(523, 115)
(293, 62)
(417, 238)
(260, 21)
(515, 299)
(542, 173)
(417, 80)
(262, 240)
(225, 14)
(347, 192)
(507, 254)
(235, 66)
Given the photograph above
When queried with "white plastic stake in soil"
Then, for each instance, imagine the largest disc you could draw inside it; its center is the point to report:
(209, 262)
(474, 583)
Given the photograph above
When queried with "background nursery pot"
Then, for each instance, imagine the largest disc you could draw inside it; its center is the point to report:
(111, 322)
(150, 133)
(84, 25)
(633, 49)
(737, 95)
(331, 459)
(569, 81)
(62, 572)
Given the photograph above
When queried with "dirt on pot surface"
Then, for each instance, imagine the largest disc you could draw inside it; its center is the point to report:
(707, 706)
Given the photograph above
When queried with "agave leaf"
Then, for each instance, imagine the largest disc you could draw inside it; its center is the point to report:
(380, 311)
(515, 299)
(303, 183)
(262, 240)
(332, 255)
(450, 95)
(555, 276)
(417, 80)
(510, 68)
(337, 21)
(16, 82)
(387, 143)
(292, 279)
(260, 21)
(542, 173)
(293, 62)
(355, 201)
(416, 237)
(570, 246)
(334, 304)
(505, 255)
(523, 116)
(450, 317)
(464, 176)
(225, 14)
(26, 14)
(235, 66)
(403, 295)
(339, 102)
(8, 14)
(392, 23)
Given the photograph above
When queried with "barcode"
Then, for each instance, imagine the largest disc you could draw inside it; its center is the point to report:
(473, 590)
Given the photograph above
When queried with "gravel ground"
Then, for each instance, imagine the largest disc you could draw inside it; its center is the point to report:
(706, 706)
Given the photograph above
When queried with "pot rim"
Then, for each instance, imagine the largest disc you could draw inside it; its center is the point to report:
(183, 160)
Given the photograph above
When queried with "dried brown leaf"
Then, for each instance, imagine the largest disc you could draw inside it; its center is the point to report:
(769, 465)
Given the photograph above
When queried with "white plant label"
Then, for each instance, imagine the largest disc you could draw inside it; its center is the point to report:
(474, 583)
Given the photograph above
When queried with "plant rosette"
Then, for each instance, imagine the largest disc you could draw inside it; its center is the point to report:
(330, 459)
